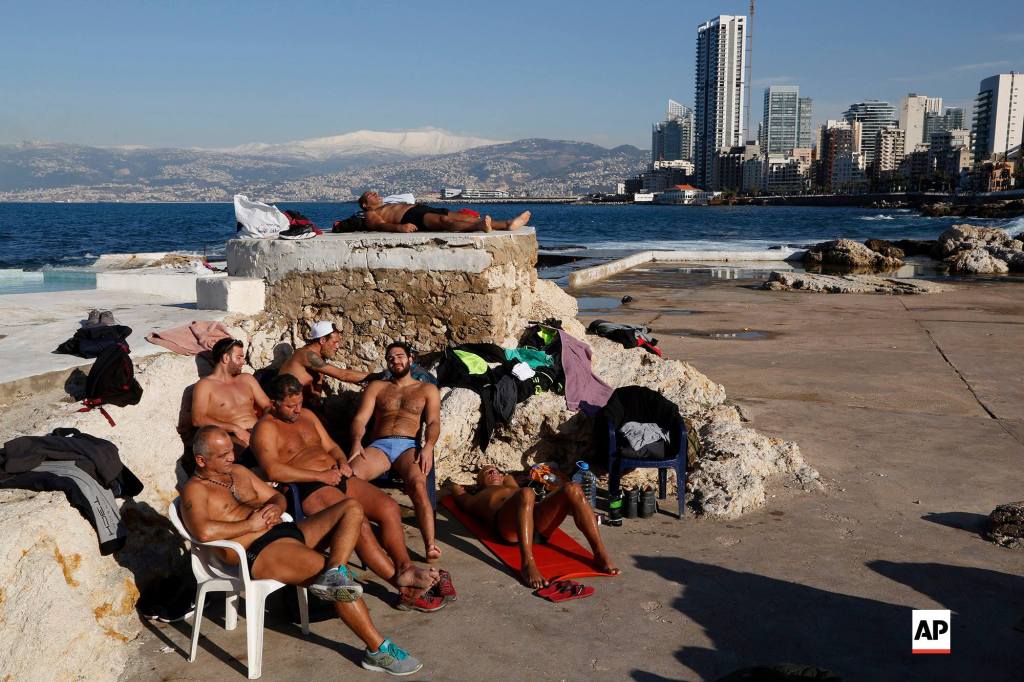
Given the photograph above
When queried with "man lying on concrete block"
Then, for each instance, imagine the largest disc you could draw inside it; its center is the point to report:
(391, 217)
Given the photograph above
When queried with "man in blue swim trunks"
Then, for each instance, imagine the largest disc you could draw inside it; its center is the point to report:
(398, 406)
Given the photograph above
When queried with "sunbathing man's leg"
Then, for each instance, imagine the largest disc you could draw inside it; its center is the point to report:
(416, 488)
(290, 562)
(569, 499)
(514, 521)
(513, 224)
(453, 222)
(391, 562)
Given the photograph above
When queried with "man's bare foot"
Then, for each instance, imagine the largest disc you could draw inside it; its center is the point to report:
(532, 577)
(519, 220)
(486, 223)
(605, 565)
(413, 581)
(433, 553)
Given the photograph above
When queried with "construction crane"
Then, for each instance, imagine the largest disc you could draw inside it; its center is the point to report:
(750, 47)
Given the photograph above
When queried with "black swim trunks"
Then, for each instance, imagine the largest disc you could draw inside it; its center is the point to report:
(305, 489)
(416, 212)
(285, 529)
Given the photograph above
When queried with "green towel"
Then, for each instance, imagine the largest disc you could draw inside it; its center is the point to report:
(534, 357)
(473, 362)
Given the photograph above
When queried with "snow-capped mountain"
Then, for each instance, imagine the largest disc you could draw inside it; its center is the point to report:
(409, 144)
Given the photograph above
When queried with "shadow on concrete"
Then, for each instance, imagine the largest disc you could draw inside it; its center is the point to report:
(969, 521)
(756, 620)
(182, 642)
(452, 533)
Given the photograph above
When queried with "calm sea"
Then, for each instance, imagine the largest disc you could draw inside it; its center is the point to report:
(36, 235)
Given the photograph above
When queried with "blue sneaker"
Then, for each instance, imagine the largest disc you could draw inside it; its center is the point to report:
(391, 659)
(337, 584)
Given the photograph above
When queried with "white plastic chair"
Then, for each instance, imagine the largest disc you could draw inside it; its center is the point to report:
(213, 575)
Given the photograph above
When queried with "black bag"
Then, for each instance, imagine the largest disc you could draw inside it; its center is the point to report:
(111, 381)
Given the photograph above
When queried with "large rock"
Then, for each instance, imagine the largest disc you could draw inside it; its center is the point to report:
(1005, 525)
(73, 606)
(976, 262)
(850, 255)
(727, 482)
(886, 248)
(65, 612)
(849, 284)
(729, 479)
(965, 237)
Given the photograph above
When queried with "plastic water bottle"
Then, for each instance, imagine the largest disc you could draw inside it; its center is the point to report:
(588, 481)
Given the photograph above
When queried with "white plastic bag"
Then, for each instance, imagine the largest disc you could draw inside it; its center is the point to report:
(258, 221)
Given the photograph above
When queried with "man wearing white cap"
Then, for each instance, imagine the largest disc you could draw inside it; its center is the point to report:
(309, 364)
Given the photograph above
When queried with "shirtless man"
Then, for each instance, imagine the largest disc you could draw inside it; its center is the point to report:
(514, 514)
(225, 501)
(397, 407)
(293, 447)
(228, 398)
(309, 364)
(413, 217)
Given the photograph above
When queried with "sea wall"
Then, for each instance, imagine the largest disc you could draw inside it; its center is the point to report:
(431, 289)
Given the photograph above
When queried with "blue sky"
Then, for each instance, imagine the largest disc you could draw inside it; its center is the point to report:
(215, 74)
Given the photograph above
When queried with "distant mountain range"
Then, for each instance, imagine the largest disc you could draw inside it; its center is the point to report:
(323, 169)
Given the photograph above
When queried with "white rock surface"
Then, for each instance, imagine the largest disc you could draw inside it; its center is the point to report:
(65, 612)
(850, 284)
(977, 261)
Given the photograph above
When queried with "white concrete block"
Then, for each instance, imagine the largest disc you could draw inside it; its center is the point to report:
(177, 286)
(273, 259)
(247, 295)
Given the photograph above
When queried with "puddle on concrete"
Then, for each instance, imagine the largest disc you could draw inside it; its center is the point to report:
(722, 334)
(593, 303)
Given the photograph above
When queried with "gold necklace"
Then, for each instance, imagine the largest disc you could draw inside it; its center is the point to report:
(230, 486)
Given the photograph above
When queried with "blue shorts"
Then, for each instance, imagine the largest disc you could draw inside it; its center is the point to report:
(394, 446)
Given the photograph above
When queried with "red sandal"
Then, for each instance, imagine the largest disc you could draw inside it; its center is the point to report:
(564, 590)
(426, 602)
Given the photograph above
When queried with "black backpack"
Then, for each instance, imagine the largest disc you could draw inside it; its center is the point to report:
(111, 381)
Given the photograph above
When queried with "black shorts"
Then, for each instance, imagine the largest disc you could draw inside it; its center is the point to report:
(415, 214)
(304, 490)
(285, 529)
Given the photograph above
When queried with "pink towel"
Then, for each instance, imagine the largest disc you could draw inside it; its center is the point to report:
(191, 339)
(583, 389)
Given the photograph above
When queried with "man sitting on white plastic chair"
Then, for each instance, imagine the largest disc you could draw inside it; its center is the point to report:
(225, 501)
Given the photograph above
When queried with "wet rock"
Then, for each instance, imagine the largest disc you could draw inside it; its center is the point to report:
(850, 284)
(916, 247)
(850, 255)
(1005, 525)
(885, 248)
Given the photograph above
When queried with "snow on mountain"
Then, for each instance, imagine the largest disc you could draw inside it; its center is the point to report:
(410, 143)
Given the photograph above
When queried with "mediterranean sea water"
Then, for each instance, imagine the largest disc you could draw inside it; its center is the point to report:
(35, 236)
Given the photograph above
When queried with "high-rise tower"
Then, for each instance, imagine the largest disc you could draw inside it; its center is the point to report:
(719, 92)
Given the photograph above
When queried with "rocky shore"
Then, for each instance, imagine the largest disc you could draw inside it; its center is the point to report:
(847, 266)
(77, 609)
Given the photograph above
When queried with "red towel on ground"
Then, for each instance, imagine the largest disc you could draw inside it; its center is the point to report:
(559, 558)
(191, 339)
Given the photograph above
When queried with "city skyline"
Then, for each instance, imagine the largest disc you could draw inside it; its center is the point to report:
(124, 73)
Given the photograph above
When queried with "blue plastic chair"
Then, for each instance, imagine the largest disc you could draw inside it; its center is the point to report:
(616, 464)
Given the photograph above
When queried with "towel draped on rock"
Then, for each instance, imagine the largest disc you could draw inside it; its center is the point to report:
(191, 339)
